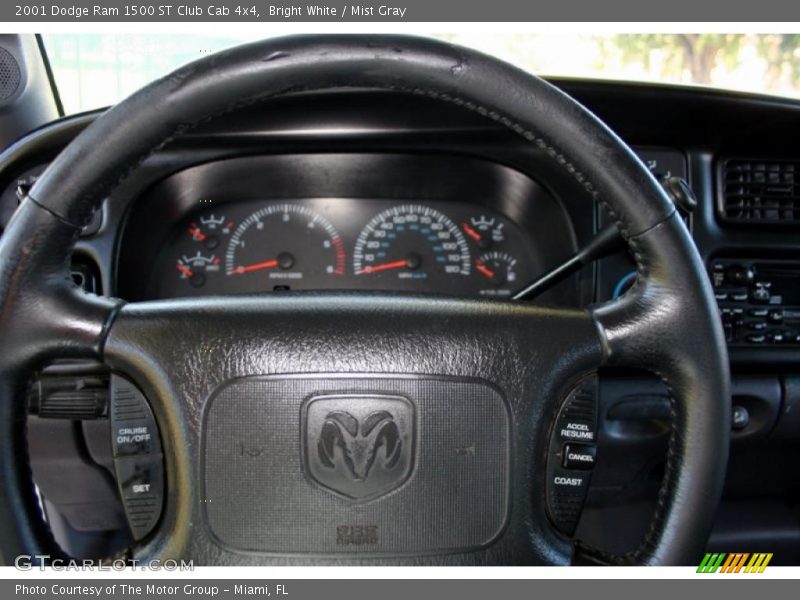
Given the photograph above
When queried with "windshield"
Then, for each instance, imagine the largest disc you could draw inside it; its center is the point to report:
(95, 70)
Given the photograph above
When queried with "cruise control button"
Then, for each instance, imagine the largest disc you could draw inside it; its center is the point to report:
(567, 493)
(569, 482)
(141, 486)
(134, 437)
(138, 461)
(576, 431)
(579, 456)
(133, 428)
(567, 485)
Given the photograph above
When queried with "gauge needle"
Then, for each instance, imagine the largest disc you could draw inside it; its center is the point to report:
(471, 232)
(483, 269)
(398, 264)
(185, 270)
(197, 234)
(267, 264)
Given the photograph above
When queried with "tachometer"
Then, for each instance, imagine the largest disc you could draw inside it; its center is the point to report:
(413, 243)
(281, 246)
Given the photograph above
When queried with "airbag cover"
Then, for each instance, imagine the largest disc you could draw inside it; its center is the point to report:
(369, 465)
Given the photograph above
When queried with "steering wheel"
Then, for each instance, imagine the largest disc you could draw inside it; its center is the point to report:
(433, 374)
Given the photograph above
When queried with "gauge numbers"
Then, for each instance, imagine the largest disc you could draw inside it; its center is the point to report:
(410, 243)
(283, 244)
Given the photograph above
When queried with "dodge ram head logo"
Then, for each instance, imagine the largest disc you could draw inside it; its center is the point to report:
(359, 447)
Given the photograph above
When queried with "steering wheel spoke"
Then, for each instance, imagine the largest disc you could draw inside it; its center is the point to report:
(657, 324)
(465, 387)
(52, 318)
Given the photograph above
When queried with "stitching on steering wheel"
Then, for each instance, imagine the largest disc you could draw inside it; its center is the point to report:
(647, 542)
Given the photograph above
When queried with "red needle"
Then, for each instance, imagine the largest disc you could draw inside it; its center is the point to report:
(398, 264)
(267, 264)
(185, 270)
(484, 269)
(471, 232)
(197, 234)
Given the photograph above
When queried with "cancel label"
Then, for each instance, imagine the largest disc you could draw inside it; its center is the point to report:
(580, 456)
(577, 431)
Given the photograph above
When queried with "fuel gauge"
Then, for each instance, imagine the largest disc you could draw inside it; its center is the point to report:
(499, 273)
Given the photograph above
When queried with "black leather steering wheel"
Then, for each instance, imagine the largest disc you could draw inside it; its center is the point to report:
(667, 323)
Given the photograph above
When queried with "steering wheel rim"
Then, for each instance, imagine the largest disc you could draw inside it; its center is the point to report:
(667, 323)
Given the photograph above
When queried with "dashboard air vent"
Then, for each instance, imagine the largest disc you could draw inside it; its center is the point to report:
(763, 192)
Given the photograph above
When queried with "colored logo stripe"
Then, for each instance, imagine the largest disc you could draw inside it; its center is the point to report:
(734, 562)
(758, 563)
(711, 563)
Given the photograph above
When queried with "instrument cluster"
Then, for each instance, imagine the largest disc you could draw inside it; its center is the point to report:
(340, 243)
(428, 224)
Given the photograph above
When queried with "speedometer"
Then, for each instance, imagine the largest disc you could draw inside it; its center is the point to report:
(411, 243)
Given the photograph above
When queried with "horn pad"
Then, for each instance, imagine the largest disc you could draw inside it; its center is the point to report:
(355, 465)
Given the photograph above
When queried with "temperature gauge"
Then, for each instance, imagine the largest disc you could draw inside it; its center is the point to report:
(208, 229)
(484, 230)
(499, 273)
